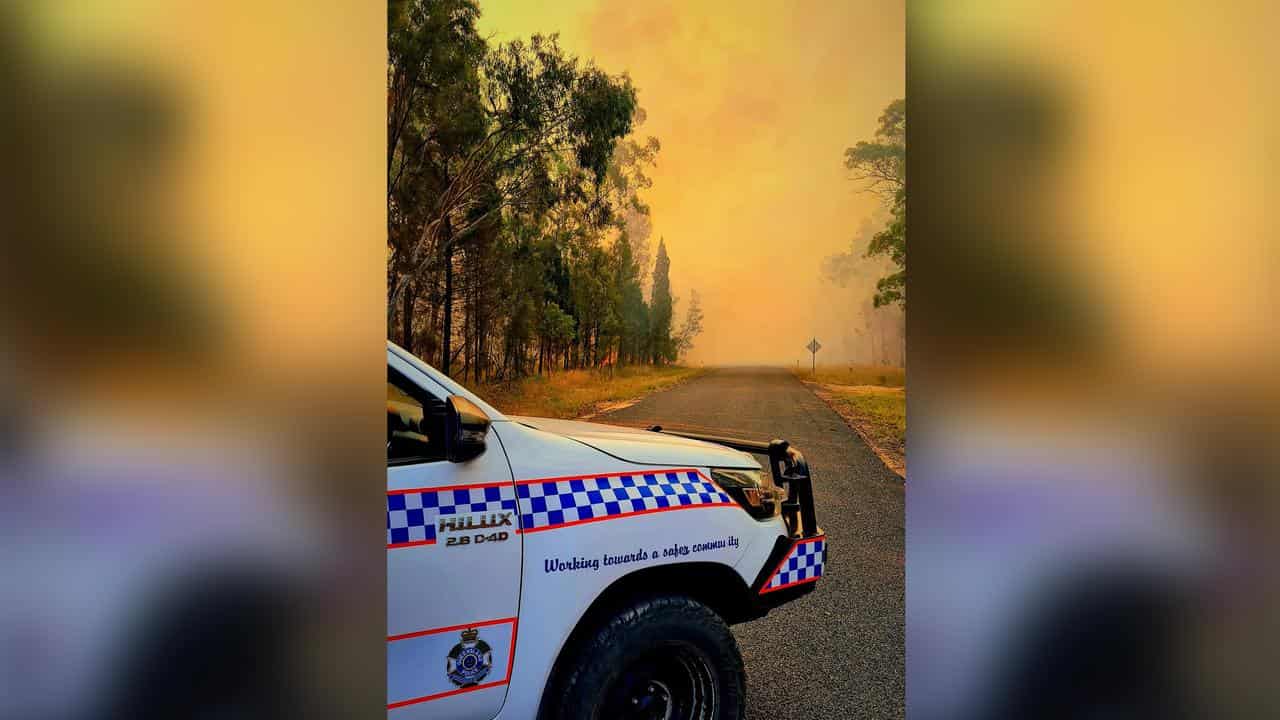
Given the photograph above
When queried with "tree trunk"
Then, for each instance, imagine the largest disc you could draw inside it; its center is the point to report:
(397, 292)
(406, 319)
(446, 334)
(468, 325)
(481, 357)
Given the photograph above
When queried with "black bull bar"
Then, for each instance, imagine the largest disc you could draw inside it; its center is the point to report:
(788, 467)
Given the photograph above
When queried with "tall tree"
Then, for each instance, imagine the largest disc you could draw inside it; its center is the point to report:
(434, 117)
(537, 105)
(661, 347)
(692, 325)
(633, 313)
(625, 179)
(881, 164)
(517, 237)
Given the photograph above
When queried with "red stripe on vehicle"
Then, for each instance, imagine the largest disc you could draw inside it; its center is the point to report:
(535, 481)
(593, 476)
(784, 560)
(625, 515)
(450, 488)
(790, 584)
(450, 628)
(445, 694)
(511, 659)
(411, 543)
(511, 654)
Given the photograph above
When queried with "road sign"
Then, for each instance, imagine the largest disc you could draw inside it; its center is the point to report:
(814, 346)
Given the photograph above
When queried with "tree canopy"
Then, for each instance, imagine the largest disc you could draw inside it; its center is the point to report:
(517, 238)
(881, 163)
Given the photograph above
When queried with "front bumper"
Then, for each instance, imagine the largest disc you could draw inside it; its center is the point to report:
(798, 559)
(793, 569)
(788, 467)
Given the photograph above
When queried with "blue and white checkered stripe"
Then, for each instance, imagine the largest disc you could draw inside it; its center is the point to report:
(549, 504)
(411, 516)
(802, 564)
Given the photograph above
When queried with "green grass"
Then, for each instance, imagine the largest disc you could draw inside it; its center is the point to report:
(573, 393)
(872, 398)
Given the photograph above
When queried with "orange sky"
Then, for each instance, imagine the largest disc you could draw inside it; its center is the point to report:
(754, 103)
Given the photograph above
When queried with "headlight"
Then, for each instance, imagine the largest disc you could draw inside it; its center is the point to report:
(753, 490)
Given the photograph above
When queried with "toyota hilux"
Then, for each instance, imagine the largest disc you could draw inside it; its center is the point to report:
(542, 568)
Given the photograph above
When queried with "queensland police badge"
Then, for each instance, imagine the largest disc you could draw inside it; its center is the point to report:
(469, 661)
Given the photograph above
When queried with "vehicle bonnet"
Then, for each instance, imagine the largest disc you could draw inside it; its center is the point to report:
(643, 447)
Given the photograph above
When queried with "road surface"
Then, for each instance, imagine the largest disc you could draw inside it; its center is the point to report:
(837, 652)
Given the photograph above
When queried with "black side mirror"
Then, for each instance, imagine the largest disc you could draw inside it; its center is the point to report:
(465, 427)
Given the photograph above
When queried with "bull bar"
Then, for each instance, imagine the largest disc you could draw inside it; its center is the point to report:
(786, 464)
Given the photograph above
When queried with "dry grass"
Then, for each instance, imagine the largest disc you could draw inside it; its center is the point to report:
(885, 409)
(871, 399)
(883, 375)
(574, 393)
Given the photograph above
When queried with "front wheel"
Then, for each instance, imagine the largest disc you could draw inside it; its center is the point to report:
(662, 658)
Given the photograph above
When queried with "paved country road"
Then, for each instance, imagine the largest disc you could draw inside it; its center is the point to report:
(837, 652)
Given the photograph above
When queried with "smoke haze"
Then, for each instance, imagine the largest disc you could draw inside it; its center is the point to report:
(754, 105)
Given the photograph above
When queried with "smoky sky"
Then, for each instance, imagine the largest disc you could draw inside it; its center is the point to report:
(754, 104)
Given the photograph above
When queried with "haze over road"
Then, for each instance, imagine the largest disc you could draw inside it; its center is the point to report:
(839, 651)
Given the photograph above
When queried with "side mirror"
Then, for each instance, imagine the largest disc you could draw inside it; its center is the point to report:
(465, 427)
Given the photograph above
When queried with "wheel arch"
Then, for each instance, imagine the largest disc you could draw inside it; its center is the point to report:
(715, 585)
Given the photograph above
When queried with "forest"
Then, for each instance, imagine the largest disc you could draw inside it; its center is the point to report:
(518, 240)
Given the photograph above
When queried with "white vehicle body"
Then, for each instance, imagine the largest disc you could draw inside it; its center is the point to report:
(493, 562)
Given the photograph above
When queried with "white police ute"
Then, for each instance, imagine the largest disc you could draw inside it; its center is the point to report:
(555, 569)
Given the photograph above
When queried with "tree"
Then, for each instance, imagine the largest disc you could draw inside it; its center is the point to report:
(625, 178)
(517, 237)
(854, 276)
(556, 330)
(881, 164)
(434, 117)
(661, 346)
(536, 104)
(591, 284)
(631, 311)
(692, 325)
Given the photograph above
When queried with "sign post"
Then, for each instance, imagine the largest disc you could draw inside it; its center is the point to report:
(814, 346)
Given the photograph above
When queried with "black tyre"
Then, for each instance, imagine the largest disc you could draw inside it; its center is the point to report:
(661, 658)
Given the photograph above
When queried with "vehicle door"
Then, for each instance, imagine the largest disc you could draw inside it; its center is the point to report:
(453, 562)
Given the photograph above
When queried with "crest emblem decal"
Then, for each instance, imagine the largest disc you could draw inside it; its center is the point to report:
(470, 660)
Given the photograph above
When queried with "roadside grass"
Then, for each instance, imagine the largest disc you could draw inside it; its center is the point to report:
(574, 393)
(883, 409)
(873, 400)
(884, 375)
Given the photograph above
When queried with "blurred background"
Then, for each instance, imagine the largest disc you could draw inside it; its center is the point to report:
(191, 469)
(195, 296)
(1091, 503)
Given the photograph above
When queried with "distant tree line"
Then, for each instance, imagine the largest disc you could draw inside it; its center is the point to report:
(517, 241)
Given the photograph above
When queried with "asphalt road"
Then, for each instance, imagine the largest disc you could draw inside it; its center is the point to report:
(838, 652)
